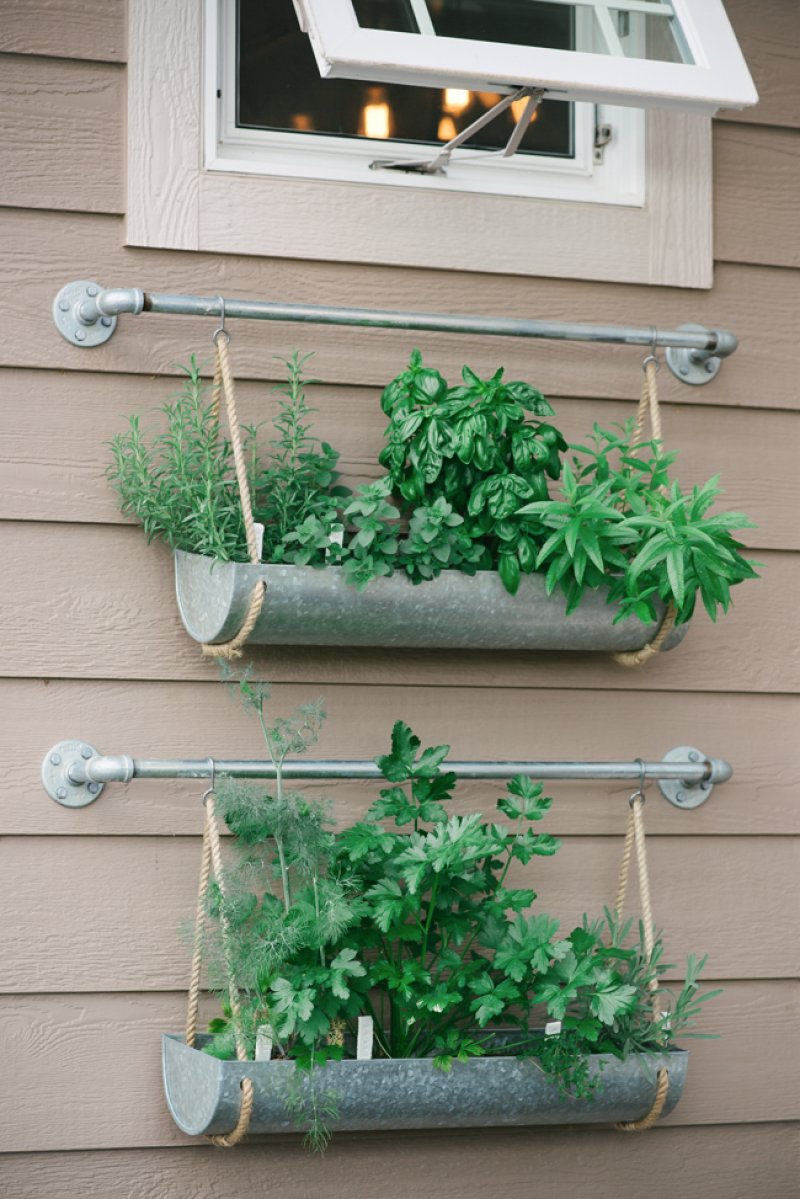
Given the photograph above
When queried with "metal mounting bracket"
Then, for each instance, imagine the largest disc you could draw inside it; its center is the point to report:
(67, 315)
(687, 795)
(56, 774)
(694, 366)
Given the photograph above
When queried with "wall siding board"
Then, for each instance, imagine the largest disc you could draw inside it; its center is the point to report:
(191, 720)
(118, 1100)
(41, 251)
(757, 178)
(79, 29)
(769, 34)
(133, 892)
(62, 132)
(127, 614)
(55, 426)
(733, 1162)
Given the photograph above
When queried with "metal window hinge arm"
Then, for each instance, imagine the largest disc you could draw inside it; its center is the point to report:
(437, 164)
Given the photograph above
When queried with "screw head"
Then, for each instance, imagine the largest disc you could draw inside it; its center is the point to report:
(93, 788)
(710, 367)
(91, 290)
(64, 305)
(706, 786)
(694, 756)
(62, 792)
(55, 759)
(80, 335)
(106, 321)
(684, 370)
(680, 797)
(86, 752)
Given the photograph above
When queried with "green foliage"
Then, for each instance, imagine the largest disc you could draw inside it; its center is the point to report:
(481, 448)
(620, 523)
(415, 915)
(466, 488)
(181, 484)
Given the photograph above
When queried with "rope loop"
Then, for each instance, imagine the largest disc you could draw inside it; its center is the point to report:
(635, 838)
(223, 386)
(212, 860)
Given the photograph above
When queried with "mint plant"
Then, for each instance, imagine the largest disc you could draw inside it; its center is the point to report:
(621, 523)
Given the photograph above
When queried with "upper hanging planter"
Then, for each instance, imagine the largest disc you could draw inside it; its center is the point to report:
(204, 1093)
(308, 606)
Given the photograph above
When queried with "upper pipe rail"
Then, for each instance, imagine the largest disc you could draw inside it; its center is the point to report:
(74, 773)
(86, 315)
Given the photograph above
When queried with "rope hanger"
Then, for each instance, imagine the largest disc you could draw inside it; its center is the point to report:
(223, 383)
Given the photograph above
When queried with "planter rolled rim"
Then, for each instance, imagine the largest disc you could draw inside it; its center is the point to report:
(304, 605)
(204, 1093)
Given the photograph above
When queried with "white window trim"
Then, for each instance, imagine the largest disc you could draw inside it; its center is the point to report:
(717, 75)
(176, 202)
(228, 148)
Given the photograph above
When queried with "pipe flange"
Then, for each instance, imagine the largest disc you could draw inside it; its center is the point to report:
(695, 367)
(56, 777)
(67, 318)
(679, 792)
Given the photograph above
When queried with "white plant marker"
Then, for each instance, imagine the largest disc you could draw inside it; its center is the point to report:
(259, 531)
(264, 1043)
(365, 1038)
(553, 1028)
(336, 537)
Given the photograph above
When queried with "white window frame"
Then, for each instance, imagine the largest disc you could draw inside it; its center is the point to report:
(179, 197)
(717, 75)
(618, 179)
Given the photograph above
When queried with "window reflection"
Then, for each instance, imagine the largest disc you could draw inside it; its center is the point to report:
(279, 88)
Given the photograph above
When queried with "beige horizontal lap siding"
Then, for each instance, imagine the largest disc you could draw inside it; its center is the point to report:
(118, 1112)
(734, 1161)
(92, 964)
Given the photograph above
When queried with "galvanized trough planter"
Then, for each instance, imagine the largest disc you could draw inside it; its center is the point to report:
(204, 1093)
(306, 606)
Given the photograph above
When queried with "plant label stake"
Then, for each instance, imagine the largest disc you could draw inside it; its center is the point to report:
(264, 1043)
(365, 1037)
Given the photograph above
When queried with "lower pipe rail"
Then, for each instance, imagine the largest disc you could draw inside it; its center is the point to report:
(74, 773)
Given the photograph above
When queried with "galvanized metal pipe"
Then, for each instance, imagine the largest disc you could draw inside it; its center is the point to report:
(120, 768)
(111, 302)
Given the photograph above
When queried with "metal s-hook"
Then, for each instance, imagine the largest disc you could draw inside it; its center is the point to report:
(652, 356)
(639, 793)
(221, 327)
(210, 790)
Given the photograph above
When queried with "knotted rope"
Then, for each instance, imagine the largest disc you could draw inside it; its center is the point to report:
(223, 385)
(212, 858)
(635, 838)
(648, 405)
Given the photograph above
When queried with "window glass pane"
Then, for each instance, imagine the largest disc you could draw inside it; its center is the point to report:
(395, 15)
(279, 88)
(628, 29)
(518, 22)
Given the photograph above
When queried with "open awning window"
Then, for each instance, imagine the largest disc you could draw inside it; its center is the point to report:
(645, 53)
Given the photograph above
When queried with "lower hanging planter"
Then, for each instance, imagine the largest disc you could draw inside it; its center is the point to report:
(308, 606)
(204, 1093)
